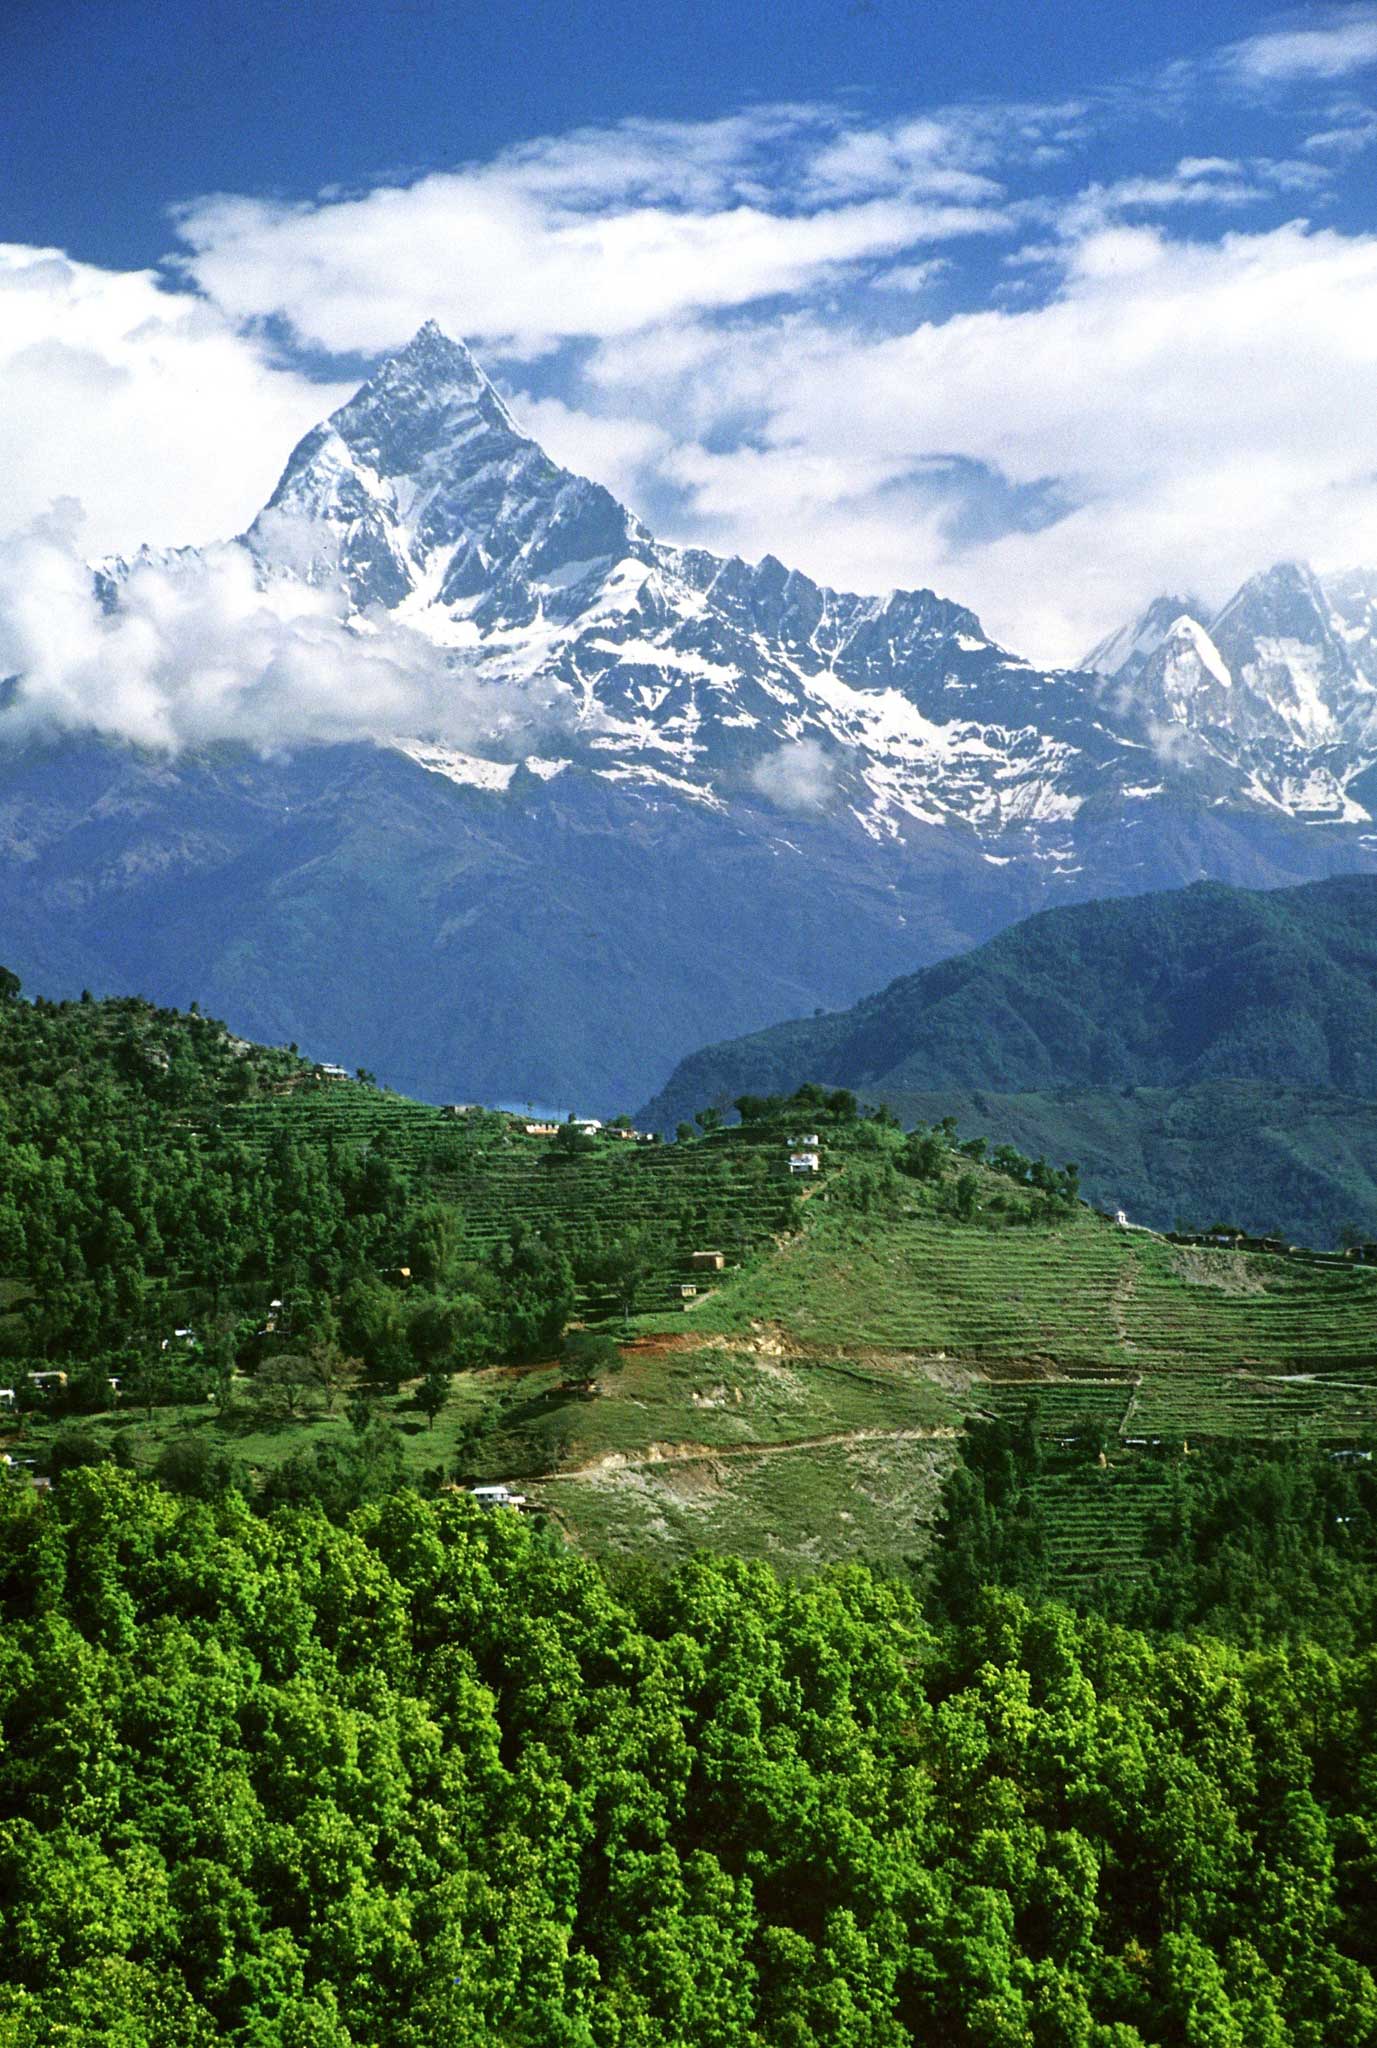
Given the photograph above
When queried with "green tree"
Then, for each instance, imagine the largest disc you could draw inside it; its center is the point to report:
(587, 1354)
(433, 1393)
(627, 1264)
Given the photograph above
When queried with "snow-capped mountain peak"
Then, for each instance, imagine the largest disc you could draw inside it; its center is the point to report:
(1281, 636)
(1298, 659)
(691, 677)
(1125, 651)
(668, 666)
(422, 490)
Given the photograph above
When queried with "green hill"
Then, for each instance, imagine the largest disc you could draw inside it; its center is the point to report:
(240, 1267)
(1203, 1052)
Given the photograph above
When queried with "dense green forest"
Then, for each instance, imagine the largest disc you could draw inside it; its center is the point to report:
(429, 1779)
(1202, 1052)
(129, 1197)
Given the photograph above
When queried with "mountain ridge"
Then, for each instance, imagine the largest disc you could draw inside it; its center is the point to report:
(1214, 1005)
(423, 498)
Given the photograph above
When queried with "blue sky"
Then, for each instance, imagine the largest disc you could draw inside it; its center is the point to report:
(1046, 307)
(129, 105)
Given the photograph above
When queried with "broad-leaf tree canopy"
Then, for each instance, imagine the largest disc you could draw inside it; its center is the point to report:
(427, 1780)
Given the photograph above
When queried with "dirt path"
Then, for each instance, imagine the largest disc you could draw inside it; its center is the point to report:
(1124, 1288)
(690, 1454)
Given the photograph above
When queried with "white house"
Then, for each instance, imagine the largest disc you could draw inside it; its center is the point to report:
(804, 1162)
(497, 1497)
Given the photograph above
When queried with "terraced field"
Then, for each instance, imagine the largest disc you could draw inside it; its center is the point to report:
(1065, 1411)
(1082, 1298)
(806, 1403)
(1097, 1522)
(716, 1195)
(1223, 1310)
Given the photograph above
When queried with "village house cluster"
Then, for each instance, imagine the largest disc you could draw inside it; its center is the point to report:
(546, 1127)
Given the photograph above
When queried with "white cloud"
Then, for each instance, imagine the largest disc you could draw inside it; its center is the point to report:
(910, 277)
(797, 777)
(1200, 182)
(1353, 130)
(197, 651)
(934, 156)
(491, 259)
(1176, 413)
(142, 402)
(1336, 48)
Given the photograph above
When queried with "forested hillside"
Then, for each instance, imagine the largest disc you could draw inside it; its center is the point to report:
(1125, 1033)
(132, 1191)
(428, 1781)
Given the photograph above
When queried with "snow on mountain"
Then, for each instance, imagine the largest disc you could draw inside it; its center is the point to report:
(1279, 633)
(660, 665)
(1352, 594)
(679, 672)
(1125, 651)
(1185, 682)
(1280, 684)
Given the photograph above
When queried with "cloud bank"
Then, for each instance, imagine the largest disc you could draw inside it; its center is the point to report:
(197, 652)
(603, 232)
(146, 403)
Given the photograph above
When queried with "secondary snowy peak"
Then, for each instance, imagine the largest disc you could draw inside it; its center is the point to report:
(1187, 680)
(1281, 638)
(1289, 659)
(1126, 651)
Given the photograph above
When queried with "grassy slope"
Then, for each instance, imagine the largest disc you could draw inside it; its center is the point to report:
(930, 1320)
(1081, 1297)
